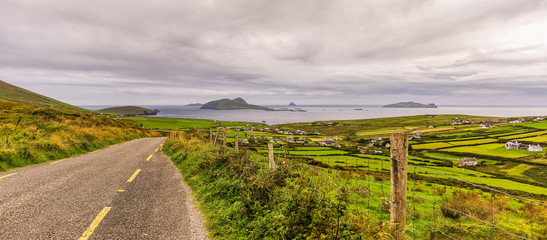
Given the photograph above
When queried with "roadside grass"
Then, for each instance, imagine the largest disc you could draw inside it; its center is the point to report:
(32, 134)
(242, 199)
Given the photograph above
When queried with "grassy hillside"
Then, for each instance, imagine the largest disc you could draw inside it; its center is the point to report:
(11, 93)
(34, 134)
(128, 110)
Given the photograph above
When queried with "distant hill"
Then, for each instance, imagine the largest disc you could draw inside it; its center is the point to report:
(227, 104)
(11, 93)
(410, 105)
(195, 105)
(129, 110)
(292, 104)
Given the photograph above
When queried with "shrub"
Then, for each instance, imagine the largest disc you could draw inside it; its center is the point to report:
(468, 203)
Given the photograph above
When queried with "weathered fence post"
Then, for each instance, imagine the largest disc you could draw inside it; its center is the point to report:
(271, 162)
(210, 135)
(224, 136)
(237, 142)
(216, 136)
(399, 160)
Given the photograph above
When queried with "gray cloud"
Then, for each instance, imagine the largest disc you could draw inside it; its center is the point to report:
(311, 51)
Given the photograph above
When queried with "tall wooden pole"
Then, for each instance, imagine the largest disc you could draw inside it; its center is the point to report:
(210, 135)
(224, 135)
(237, 142)
(271, 162)
(399, 160)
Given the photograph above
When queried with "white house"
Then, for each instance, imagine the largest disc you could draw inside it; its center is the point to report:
(467, 162)
(536, 148)
(514, 144)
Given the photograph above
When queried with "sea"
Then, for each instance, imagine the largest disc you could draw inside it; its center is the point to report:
(310, 113)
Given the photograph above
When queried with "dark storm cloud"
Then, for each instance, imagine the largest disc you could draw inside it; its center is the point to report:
(316, 51)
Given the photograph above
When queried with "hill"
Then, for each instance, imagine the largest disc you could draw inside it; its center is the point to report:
(34, 134)
(129, 110)
(410, 105)
(227, 104)
(11, 93)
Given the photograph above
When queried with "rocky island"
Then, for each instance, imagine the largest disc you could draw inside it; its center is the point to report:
(410, 105)
(234, 104)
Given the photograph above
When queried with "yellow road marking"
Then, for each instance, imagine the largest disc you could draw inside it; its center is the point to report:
(95, 224)
(121, 190)
(148, 159)
(156, 149)
(59, 161)
(7, 175)
(133, 176)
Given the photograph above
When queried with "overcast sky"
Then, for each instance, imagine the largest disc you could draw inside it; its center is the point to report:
(175, 52)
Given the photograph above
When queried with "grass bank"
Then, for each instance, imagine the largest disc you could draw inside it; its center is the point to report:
(33, 134)
(242, 199)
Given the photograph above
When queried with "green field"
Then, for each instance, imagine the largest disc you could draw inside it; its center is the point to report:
(312, 148)
(524, 135)
(539, 125)
(494, 149)
(454, 143)
(184, 123)
(538, 139)
(318, 153)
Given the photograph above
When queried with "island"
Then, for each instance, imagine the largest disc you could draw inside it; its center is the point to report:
(129, 111)
(233, 104)
(410, 105)
(194, 105)
(292, 104)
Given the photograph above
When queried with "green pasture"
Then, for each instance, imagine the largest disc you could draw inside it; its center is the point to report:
(437, 145)
(436, 172)
(183, 123)
(524, 135)
(538, 139)
(312, 148)
(494, 149)
(538, 125)
(318, 153)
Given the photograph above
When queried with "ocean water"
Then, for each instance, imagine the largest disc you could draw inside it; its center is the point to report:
(325, 113)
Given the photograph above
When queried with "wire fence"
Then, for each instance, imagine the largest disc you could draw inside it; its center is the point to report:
(434, 210)
(430, 209)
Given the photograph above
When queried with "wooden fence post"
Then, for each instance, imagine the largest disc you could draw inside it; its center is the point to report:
(399, 160)
(210, 135)
(224, 136)
(216, 136)
(237, 142)
(271, 162)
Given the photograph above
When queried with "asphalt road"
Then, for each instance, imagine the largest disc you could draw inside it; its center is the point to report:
(126, 191)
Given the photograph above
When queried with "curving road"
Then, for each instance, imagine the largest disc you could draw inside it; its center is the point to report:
(126, 191)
